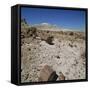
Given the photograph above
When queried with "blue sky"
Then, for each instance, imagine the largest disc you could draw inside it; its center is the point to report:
(69, 19)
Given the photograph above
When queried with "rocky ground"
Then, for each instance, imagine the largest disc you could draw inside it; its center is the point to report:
(63, 51)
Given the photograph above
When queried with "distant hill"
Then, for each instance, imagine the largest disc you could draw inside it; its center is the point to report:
(46, 26)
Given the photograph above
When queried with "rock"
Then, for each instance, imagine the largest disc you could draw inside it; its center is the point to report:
(53, 77)
(38, 38)
(58, 57)
(47, 74)
(61, 77)
(50, 40)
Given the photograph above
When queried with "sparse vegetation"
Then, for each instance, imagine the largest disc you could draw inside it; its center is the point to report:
(71, 33)
(47, 31)
(34, 32)
(24, 23)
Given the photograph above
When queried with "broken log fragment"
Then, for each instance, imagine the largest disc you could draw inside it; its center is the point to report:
(53, 76)
(47, 74)
(61, 77)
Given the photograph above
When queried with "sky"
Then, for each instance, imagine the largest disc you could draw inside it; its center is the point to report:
(68, 19)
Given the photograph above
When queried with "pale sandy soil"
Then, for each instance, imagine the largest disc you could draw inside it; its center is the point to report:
(66, 56)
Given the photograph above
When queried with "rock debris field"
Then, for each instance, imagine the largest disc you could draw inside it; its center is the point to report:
(63, 51)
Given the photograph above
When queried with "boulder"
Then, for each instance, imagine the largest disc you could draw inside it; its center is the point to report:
(47, 74)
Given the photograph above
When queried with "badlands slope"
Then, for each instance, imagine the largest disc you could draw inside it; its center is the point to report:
(64, 51)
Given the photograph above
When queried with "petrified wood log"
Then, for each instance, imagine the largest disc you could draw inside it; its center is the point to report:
(61, 77)
(47, 74)
(53, 76)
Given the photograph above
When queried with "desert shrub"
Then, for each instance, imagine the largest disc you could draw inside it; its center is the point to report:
(47, 31)
(32, 31)
(28, 30)
(49, 40)
(71, 33)
(24, 20)
(24, 23)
